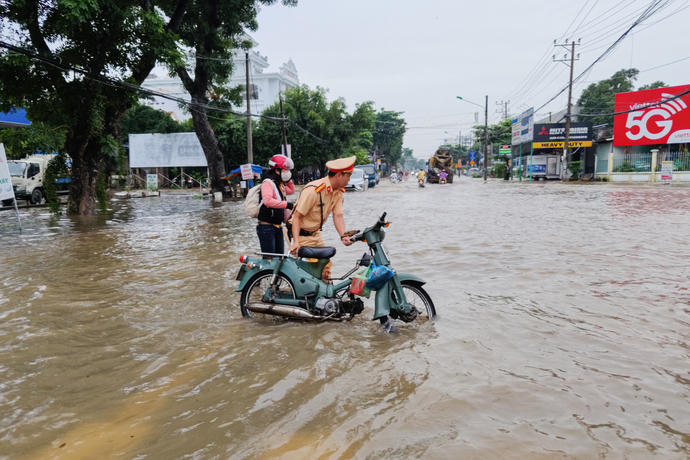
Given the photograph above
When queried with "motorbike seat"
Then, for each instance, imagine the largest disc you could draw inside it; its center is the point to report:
(324, 252)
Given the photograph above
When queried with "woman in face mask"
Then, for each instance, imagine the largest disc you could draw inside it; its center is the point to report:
(275, 209)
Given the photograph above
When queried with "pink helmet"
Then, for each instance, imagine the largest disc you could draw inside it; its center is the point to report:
(280, 161)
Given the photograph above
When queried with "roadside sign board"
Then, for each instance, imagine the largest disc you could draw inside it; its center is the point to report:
(246, 171)
(667, 170)
(552, 135)
(652, 117)
(523, 127)
(152, 182)
(6, 191)
(473, 158)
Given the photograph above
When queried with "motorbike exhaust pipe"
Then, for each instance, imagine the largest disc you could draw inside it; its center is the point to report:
(281, 310)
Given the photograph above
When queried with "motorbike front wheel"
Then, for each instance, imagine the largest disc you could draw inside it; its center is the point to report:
(418, 299)
(255, 289)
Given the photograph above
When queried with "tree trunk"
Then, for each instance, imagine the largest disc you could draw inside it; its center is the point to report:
(86, 166)
(207, 138)
(209, 143)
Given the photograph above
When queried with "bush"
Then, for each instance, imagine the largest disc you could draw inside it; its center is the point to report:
(500, 170)
(625, 166)
(575, 168)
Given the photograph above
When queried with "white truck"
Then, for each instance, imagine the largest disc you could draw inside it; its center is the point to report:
(28, 178)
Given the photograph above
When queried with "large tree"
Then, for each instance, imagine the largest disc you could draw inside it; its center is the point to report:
(144, 119)
(601, 97)
(65, 51)
(322, 130)
(213, 29)
(388, 135)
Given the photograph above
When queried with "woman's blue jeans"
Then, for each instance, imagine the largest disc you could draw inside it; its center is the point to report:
(270, 238)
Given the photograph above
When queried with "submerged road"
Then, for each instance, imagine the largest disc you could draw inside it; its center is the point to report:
(564, 332)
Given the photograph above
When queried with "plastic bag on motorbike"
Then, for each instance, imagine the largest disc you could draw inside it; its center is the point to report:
(359, 282)
(380, 274)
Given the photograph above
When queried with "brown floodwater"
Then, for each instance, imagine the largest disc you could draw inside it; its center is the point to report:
(563, 332)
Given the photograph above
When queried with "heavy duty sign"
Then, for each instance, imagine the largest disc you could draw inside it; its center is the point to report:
(552, 135)
(653, 117)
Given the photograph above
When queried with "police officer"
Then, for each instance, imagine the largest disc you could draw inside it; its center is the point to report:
(316, 202)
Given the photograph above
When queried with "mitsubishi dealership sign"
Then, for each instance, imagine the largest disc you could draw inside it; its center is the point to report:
(653, 116)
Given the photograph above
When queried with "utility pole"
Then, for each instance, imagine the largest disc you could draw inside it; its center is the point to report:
(250, 150)
(282, 115)
(486, 137)
(503, 108)
(567, 154)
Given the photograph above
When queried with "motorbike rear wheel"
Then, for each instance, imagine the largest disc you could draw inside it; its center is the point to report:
(418, 299)
(255, 289)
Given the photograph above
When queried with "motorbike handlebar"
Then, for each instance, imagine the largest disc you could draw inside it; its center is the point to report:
(359, 236)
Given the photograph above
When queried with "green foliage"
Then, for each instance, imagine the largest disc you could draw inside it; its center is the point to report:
(500, 133)
(625, 166)
(388, 136)
(575, 168)
(232, 140)
(56, 168)
(361, 154)
(601, 97)
(499, 170)
(118, 38)
(338, 131)
(36, 138)
(655, 85)
(142, 119)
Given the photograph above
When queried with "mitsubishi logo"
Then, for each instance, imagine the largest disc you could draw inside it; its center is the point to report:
(543, 132)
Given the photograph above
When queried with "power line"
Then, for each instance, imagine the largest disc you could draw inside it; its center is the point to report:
(652, 9)
(131, 87)
(664, 65)
(655, 104)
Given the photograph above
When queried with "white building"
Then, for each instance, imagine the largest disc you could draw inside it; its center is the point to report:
(264, 86)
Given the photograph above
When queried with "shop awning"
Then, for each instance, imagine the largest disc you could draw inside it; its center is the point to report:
(15, 118)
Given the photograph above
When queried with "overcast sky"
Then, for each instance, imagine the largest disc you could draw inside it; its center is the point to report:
(417, 56)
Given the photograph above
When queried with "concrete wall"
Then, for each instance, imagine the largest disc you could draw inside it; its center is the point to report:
(631, 177)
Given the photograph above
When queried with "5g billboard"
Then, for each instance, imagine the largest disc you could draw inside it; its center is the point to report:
(653, 116)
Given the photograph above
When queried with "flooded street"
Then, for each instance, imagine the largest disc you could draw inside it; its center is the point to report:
(563, 332)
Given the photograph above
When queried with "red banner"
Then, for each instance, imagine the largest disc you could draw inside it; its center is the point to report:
(653, 117)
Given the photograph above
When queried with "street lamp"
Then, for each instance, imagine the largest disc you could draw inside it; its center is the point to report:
(486, 130)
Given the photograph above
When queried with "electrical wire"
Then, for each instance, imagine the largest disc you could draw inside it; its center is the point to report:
(120, 84)
(652, 9)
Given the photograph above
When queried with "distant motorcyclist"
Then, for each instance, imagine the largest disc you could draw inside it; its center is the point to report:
(421, 176)
(442, 178)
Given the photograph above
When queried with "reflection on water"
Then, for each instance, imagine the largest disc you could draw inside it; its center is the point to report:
(563, 332)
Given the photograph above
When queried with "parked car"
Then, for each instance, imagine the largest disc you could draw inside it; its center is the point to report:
(370, 170)
(358, 181)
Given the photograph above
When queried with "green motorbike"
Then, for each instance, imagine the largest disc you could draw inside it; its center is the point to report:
(282, 285)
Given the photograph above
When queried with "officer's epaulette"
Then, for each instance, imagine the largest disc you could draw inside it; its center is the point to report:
(320, 187)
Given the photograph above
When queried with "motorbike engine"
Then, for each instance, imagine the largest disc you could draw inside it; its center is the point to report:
(353, 306)
(327, 306)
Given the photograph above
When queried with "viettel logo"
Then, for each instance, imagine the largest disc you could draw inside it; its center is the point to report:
(641, 119)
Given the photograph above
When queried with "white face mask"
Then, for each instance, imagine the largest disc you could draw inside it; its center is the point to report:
(285, 176)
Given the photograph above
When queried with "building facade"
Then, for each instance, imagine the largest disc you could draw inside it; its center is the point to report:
(264, 86)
